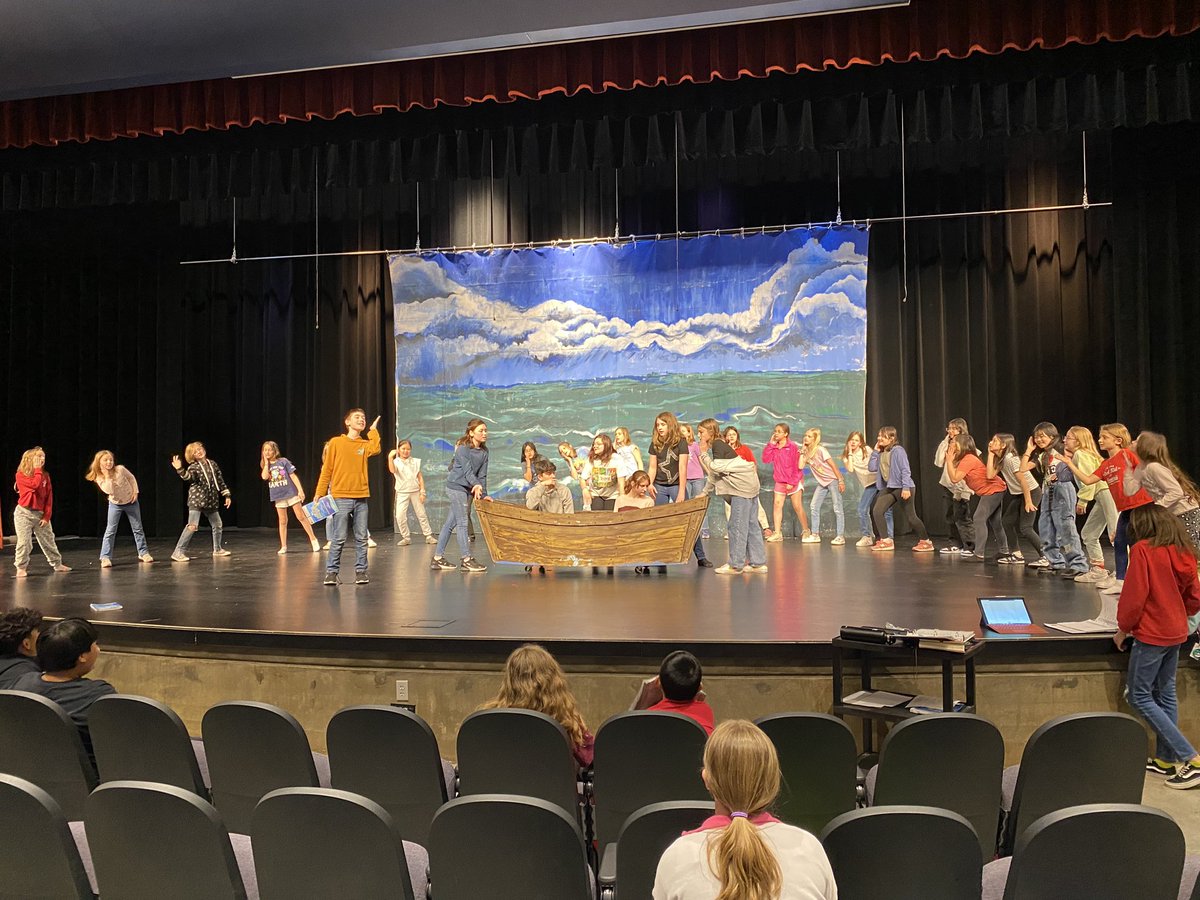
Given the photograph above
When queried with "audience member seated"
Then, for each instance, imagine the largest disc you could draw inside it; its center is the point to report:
(743, 851)
(534, 680)
(19, 629)
(66, 652)
(678, 689)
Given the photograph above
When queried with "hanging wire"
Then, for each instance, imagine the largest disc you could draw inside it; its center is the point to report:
(1085, 196)
(616, 203)
(677, 174)
(839, 188)
(903, 212)
(317, 241)
(417, 185)
(233, 256)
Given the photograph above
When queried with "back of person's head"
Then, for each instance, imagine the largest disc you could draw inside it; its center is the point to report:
(680, 676)
(741, 770)
(534, 680)
(1160, 527)
(543, 466)
(16, 625)
(1152, 447)
(60, 646)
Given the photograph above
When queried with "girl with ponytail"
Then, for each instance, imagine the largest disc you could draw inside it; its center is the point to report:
(743, 852)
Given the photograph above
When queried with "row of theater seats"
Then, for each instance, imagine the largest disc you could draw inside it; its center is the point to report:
(951, 762)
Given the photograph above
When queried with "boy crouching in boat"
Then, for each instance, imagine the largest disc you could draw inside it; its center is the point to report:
(547, 495)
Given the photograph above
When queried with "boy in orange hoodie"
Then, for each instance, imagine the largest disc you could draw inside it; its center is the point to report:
(344, 476)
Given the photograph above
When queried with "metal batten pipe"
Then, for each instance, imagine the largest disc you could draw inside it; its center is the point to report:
(634, 238)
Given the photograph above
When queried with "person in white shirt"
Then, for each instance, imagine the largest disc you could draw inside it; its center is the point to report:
(410, 491)
(743, 851)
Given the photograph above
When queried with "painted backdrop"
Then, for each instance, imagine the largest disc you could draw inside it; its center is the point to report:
(563, 343)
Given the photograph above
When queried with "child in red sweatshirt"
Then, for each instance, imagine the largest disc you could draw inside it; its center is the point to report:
(1159, 594)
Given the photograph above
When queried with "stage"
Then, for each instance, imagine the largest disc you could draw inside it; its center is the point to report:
(257, 598)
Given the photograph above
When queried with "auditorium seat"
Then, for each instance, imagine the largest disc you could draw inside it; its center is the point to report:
(951, 761)
(817, 761)
(643, 758)
(903, 853)
(1072, 760)
(40, 743)
(1098, 850)
(253, 749)
(326, 843)
(629, 865)
(39, 854)
(390, 755)
(139, 739)
(500, 845)
(160, 840)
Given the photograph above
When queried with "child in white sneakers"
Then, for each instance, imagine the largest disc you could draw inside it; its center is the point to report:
(817, 460)
(410, 492)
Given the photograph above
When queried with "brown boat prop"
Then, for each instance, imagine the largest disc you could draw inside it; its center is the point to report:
(654, 536)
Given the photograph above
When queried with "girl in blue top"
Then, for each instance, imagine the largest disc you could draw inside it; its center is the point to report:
(285, 490)
(467, 480)
(893, 478)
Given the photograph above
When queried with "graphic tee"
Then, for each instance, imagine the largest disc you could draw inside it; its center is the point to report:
(668, 462)
(279, 479)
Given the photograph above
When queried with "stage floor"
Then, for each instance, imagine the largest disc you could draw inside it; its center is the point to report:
(810, 591)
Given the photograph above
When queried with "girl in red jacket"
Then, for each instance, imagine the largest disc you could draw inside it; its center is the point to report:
(1159, 594)
(31, 518)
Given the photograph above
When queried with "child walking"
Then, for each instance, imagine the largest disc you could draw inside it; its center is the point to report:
(1084, 457)
(206, 492)
(818, 462)
(467, 480)
(964, 466)
(410, 492)
(856, 458)
(894, 481)
(31, 515)
(1159, 594)
(284, 490)
(122, 490)
(784, 456)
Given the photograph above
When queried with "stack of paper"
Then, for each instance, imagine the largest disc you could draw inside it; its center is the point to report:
(1105, 621)
(877, 699)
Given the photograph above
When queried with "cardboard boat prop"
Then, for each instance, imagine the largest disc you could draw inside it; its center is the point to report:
(660, 534)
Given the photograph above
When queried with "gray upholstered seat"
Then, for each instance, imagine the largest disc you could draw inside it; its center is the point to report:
(140, 739)
(629, 865)
(39, 855)
(817, 761)
(38, 742)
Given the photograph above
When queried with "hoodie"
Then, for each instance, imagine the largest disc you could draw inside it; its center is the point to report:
(1159, 594)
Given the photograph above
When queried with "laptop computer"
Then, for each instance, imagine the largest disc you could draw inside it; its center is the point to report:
(1007, 615)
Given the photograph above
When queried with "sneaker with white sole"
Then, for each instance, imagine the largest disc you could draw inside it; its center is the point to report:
(371, 543)
(727, 569)
(146, 558)
(774, 538)
(884, 544)
(180, 557)
(925, 546)
(281, 551)
(360, 577)
(105, 563)
(440, 563)
(430, 539)
(1114, 588)
(1154, 767)
(222, 552)
(837, 541)
(758, 570)
(1039, 563)
(469, 564)
(1007, 559)
(326, 545)
(1095, 576)
(403, 542)
(966, 551)
(1186, 776)
(316, 546)
(864, 541)
(331, 579)
(811, 538)
(953, 548)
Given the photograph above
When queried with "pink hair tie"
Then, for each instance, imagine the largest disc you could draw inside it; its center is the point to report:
(739, 815)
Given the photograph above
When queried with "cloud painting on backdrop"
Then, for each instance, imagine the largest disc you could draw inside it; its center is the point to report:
(562, 343)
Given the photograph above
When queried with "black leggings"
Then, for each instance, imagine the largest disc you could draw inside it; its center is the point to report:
(885, 500)
(1018, 523)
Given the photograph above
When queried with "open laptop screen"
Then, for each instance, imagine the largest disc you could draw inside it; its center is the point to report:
(1004, 611)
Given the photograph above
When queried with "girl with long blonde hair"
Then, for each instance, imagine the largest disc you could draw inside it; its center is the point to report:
(623, 444)
(1085, 456)
(118, 483)
(534, 680)
(743, 852)
(1163, 480)
(31, 517)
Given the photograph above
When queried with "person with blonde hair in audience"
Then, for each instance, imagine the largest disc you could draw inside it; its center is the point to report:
(742, 852)
(534, 680)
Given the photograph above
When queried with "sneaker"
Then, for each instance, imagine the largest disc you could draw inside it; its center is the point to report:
(360, 577)
(837, 541)
(61, 568)
(146, 558)
(281, 551)
(470, 565)
(811, 538)
(726, 536)
(863, 541)
(704, 535)
(316, 545)
(967, 552)
(331, 579)
(371, 543)
(761, 570)
(925, 546)
(1106, 582)
(704, 563)
(1115, 588)
(180, 557)
(1007, 559)
(1073, 574)
(222, 552)
(641, 570)
(1155, 767)
(1040, 563)
(105, 563)
(976, 557)
(1093, 576)
(1186, 776)
(727, 570)
(440, 563)
(326, 545)
(430, 539)
(403, 542)
(951, 549)
(1195, 654)
(775, 538)
(884, 544)
(767, 532)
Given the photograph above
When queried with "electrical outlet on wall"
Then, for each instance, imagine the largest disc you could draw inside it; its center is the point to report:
(401, 691)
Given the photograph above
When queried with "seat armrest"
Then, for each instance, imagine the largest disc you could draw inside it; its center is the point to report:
(608, 865)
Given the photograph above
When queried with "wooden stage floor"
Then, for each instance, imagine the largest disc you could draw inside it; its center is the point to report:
(258, 597)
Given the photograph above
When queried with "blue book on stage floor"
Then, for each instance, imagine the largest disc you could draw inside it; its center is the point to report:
(321, 508)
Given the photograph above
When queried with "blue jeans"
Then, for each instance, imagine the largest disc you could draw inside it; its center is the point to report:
(214, 521)
(839, 513)
(1060, 537)
(134, 511)
(347, 508)
(745, 537)
(864, 513)
(695, 487)
(457, 522)
(666, 493)
(1151, 684)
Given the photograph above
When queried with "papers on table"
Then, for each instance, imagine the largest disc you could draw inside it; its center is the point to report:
(1105, 621)
(877, 699)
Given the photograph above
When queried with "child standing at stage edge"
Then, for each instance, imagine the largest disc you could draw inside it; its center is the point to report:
(822, 467)
(735, 478)
(668, 472)
(410, 492)
(467, 480)
(284, 490)
(206, 492)
(784, 456)
(965, 467)
(956, 496)
(896, 487)
(1159, 594)
(31, 516)
(118, 483)
(856, 457)
(344, 476)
